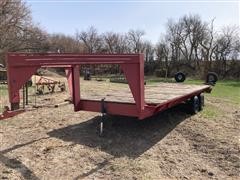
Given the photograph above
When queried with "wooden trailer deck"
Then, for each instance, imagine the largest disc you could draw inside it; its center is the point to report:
(154, 94)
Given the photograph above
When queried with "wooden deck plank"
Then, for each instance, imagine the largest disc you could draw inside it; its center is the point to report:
(154, 94)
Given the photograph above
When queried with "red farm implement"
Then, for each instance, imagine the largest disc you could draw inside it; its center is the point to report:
(141, 106)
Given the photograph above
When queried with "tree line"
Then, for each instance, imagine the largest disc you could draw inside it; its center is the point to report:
(189, 44)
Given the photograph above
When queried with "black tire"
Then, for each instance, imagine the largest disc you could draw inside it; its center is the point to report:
(212, 78)
(195, 105)
(180, 77)
(201, 102)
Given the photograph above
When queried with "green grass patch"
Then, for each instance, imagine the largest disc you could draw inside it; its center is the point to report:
(224, 89)
(3, 96)
(228, 90)
(3, 90)
(210, 111)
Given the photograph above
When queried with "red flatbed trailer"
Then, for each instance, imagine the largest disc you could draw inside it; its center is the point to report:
(135, 103)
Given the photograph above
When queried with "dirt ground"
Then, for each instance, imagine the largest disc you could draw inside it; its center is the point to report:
(57, 143)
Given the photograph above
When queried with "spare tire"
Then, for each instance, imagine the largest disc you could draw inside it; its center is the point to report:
(212, 78)
(180, 77)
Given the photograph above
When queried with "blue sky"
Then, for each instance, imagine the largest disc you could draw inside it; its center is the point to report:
(63, 16)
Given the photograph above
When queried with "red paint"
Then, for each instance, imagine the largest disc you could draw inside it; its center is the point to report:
(9, 114)
(22, 65)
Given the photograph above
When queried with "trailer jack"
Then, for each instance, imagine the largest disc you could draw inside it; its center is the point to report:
(103, 117)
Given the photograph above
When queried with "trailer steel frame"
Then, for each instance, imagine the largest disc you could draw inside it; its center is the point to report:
(21, 66)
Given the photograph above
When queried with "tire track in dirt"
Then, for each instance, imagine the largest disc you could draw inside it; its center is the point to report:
(222, 156)
(218, 146)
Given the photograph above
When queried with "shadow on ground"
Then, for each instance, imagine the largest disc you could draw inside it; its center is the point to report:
(16, 164)
(123, 136)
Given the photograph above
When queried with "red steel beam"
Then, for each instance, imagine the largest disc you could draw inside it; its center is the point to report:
(26, 64)
(131, 64)
(114, 108)
(9, 114)
(58, 60)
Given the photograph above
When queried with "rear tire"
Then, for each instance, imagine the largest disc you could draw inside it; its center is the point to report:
(195, 105)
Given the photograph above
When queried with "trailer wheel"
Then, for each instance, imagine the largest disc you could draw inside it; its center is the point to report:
(180, 77)
(201, 102)
(195, 105)
(212, 78)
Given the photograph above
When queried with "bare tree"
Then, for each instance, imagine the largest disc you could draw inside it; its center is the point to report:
(17, 32)
(185, 37)
(227, 43)
(148, 51)
(163, 55)
(227, 48)
(135, 40)
(173, 37)
(91, 40)
(188, 42)
(194, 30)
(111, 41)
(14, 16)
(62, 43)
(115, 42)
(207, 42)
